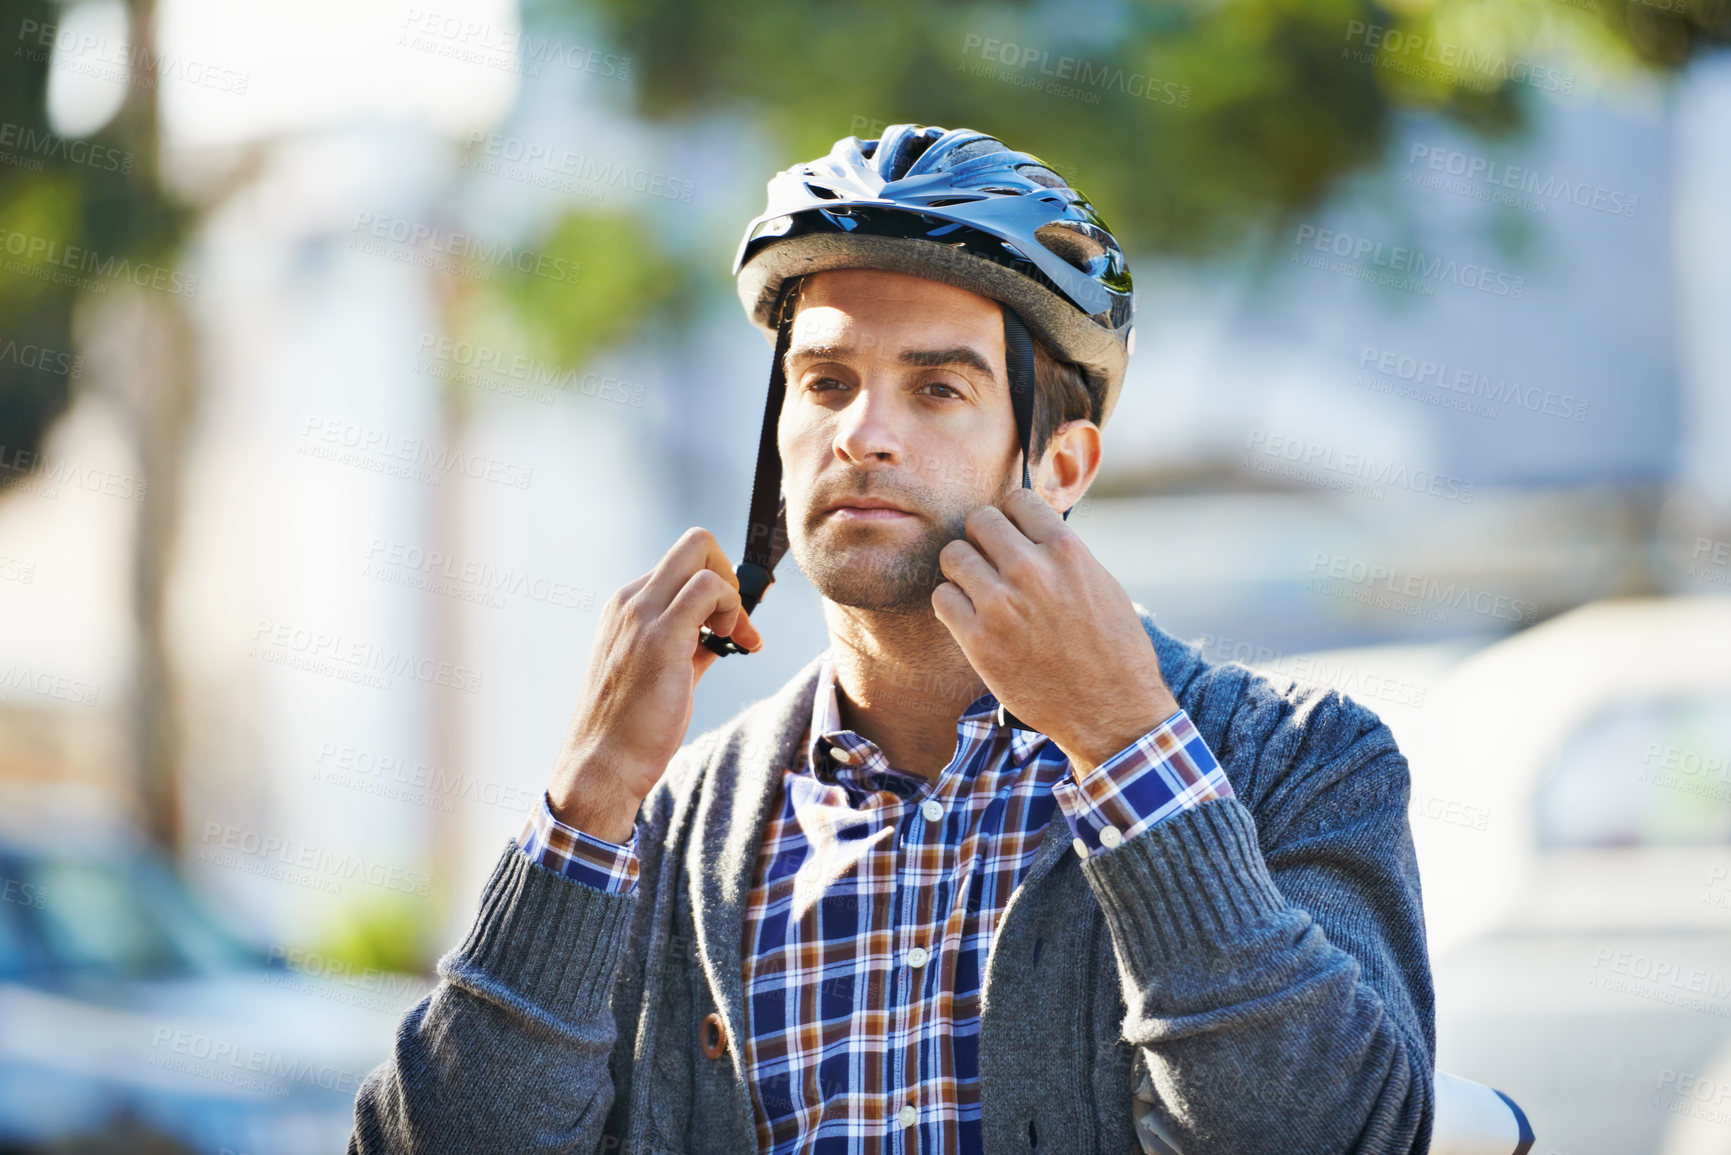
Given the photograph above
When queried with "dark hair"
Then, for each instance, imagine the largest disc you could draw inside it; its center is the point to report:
(1061, 394)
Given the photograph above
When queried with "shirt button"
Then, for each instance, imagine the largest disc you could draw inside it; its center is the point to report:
(931, 810)
(1081, 847)
(1109, 837)
(917, 956)
(907, 1116)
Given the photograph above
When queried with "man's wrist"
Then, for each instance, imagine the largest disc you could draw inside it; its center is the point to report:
(1102, 744)
(602, 812)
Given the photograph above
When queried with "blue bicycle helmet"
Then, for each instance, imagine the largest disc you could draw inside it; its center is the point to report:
(950, 205)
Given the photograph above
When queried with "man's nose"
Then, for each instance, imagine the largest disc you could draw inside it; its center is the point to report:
(869, 427)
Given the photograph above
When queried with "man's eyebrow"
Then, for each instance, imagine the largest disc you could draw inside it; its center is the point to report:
(965, 355)
(956, 355)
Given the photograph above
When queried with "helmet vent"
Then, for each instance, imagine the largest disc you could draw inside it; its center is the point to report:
(821, 192)
(1084, 252)
(901, 146)
(980, 146)
(1041, 176)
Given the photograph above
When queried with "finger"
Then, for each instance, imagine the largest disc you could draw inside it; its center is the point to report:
(997, 538)
(630, 588)
(952, 607)
(705, 598)
(968, 568)
(1032, 517)
(737, 625)
(695, 551)
(625, 593)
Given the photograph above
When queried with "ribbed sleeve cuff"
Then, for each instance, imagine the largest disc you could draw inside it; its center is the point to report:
(553, 940)
(1186, 887)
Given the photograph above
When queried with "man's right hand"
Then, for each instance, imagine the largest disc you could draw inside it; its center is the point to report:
(637, 694)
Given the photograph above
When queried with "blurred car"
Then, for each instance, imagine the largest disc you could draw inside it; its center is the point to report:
(1571, 810)
(131, 1020)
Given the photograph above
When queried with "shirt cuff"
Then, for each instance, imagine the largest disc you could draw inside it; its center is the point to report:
(1168, 770)
(610, 867)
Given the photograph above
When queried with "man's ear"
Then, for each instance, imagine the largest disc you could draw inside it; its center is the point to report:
(1067, 467)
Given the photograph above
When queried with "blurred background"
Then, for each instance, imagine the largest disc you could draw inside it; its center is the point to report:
(351, 357)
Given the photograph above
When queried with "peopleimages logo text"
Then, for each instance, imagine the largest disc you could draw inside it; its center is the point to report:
(317, 651)
(240, 843)
(432, 28)
(1422, 588)
(43, 257)
(43, 144)
(1359, 467)
(1395, 47)
(1439, 375)
(586, 168)
(1398, 259)
(1521, 179)
(119, 60)
(427, 461)
(463, 246)
(1087, 74)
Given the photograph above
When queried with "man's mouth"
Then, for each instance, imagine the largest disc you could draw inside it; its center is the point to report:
(866, 509)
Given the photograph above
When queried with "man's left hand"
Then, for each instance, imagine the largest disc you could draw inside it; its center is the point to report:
(1050, 631)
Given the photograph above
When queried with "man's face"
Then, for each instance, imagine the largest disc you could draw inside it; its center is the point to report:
(896, 391)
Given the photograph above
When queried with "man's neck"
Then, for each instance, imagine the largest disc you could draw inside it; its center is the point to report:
(901, 682)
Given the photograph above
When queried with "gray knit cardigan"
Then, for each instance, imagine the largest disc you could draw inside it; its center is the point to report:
(1263, 957)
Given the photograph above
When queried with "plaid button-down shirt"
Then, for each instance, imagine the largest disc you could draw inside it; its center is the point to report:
(873, 906)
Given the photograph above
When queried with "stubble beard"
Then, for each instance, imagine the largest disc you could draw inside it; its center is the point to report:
(868, 567)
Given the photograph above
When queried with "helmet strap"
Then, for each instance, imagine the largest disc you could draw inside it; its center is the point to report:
(766, 530)
(1019, 359)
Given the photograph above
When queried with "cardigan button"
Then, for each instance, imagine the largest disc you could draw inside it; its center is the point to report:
(713, 1035)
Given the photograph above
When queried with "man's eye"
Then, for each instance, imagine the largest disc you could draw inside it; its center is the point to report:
(953, 391)
(818, 384)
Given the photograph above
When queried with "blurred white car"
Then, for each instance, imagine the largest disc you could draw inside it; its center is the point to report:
(132, 1021)
(1572, 814)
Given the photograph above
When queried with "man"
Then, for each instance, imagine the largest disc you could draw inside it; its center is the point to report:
(1006, 867)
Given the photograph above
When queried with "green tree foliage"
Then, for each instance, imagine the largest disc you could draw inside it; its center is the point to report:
(619, 274)
(1189, 123)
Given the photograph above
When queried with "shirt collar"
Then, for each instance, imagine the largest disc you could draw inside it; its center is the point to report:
(826, 727)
